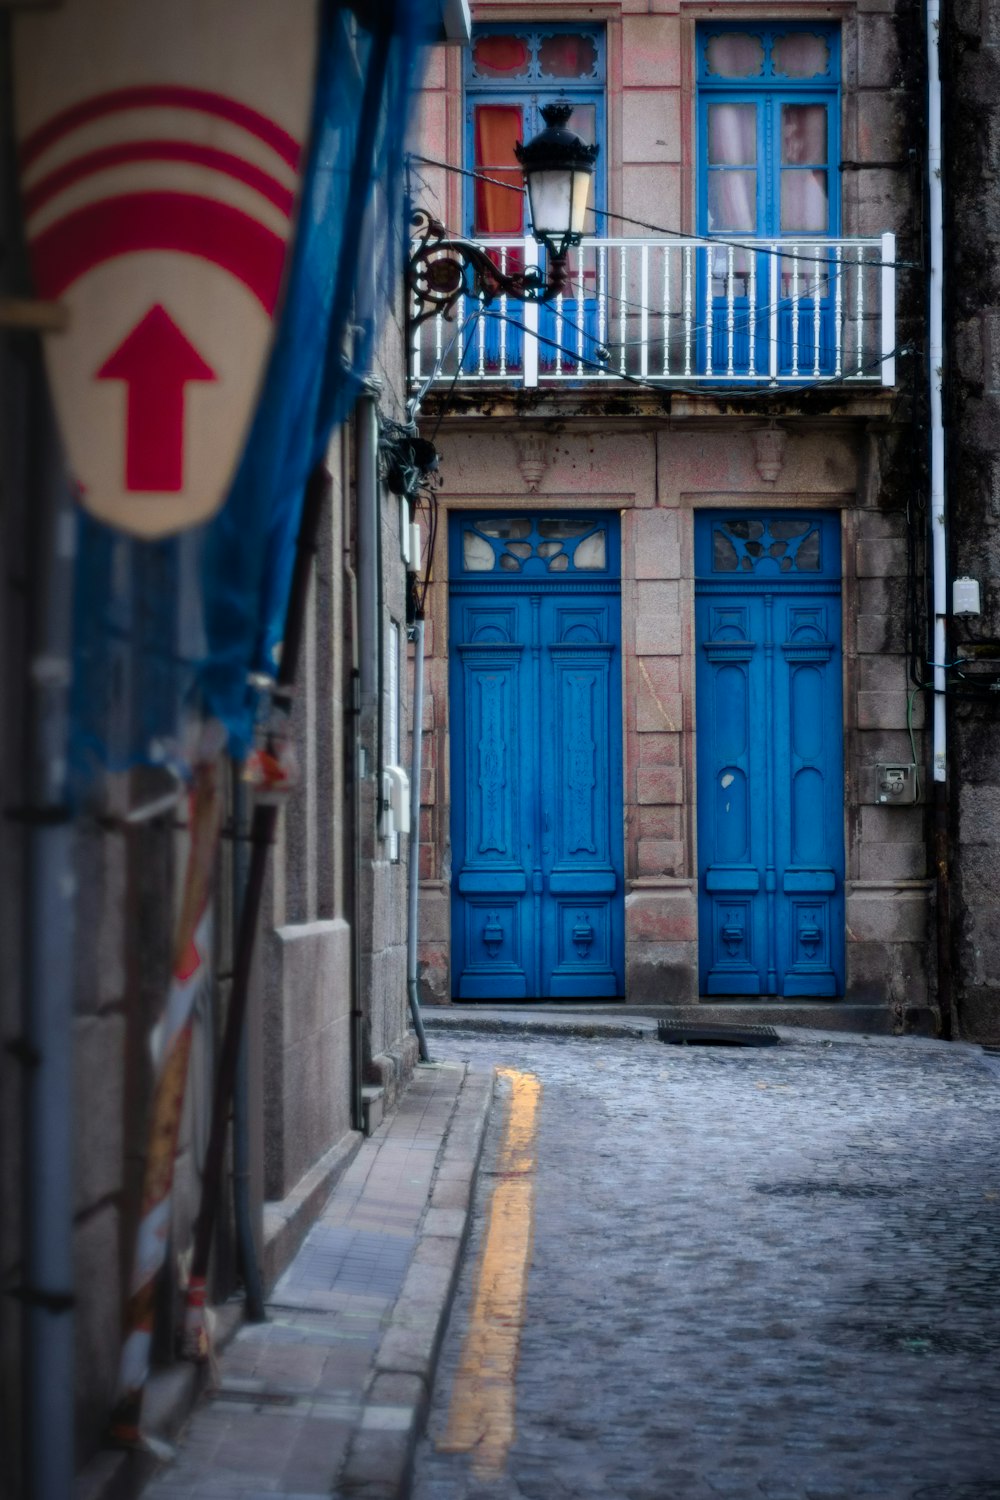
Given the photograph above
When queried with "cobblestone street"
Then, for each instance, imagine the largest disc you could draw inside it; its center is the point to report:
(755, 1272)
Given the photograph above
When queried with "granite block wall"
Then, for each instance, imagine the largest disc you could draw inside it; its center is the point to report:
(972, 207)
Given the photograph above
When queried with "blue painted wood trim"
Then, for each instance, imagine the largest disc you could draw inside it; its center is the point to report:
(770, 760)
(536, 775)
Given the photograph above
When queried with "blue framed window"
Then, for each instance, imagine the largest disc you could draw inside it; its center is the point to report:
(768, 167)
(511, 71)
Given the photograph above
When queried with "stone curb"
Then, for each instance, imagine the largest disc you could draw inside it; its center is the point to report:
(640, 1024)
(495, 1025)
(380, 1455)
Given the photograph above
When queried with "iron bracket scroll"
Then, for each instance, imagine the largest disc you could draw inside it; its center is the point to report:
(444, 268)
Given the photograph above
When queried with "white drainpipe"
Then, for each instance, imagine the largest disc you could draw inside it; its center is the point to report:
(939, 531)
(939, 538)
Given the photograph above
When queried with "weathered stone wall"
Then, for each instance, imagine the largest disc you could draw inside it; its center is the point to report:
(305, 980)
(972, 242)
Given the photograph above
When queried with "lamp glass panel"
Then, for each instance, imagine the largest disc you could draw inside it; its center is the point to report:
(550, 193)
(581, 199)
(583, 122)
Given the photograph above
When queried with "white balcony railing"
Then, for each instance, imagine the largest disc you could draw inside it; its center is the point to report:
(680, 313)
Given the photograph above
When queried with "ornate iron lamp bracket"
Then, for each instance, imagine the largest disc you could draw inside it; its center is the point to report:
(442, 269)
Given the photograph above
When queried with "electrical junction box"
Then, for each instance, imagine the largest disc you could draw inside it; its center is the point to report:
(896, 785)
(395, 801)
(965, 598)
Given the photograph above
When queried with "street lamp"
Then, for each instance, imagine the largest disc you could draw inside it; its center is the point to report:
(557, 167)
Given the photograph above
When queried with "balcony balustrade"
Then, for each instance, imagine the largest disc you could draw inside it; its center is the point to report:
(679, 313)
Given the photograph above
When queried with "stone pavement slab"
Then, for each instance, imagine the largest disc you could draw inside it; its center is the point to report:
(328, 1396)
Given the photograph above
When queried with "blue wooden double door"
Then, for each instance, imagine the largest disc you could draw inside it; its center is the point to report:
(770, 753)
(536, 756)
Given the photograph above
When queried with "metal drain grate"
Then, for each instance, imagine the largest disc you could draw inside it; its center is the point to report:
(682, 1034)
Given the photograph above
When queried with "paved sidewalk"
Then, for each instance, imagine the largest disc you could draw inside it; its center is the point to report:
(329, 1395)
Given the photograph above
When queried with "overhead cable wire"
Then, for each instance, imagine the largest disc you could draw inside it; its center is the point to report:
(416, 402)
(708, 239)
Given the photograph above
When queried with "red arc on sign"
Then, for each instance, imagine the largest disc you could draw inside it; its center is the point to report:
(155, 361)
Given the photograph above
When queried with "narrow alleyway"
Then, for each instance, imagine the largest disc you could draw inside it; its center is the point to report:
(769, 1272)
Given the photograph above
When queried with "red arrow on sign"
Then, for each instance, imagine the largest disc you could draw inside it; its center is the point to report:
(155, 361)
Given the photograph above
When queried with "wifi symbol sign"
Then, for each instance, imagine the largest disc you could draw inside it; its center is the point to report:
(161, 215)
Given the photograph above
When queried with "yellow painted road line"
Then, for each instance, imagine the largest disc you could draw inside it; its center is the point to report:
(481, 1419)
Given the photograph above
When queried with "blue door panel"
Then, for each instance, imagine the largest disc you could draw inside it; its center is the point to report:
(537, 848)
(770, 760)
(490, 693)
(583, 729)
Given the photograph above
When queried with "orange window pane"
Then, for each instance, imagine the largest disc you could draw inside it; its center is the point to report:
(499, 209)
(500, 56)
(569, 55)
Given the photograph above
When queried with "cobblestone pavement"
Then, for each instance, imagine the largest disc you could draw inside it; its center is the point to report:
(756, 1273)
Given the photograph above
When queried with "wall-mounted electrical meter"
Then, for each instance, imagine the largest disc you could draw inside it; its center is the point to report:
(896, 785)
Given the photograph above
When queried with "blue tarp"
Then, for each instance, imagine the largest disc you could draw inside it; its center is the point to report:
(174, 629)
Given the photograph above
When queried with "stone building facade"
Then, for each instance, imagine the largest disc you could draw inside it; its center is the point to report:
(971, 77)
(599, 424)
(328, 1038)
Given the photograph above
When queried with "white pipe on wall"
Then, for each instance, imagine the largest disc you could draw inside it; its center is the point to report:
(369, 520)
(939, 538)
(413, 892)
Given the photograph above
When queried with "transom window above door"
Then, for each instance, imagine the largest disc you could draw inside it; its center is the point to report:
(536, 545)
(511, 71)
